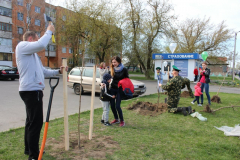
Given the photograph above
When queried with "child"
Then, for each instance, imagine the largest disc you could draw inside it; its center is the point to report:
(197, 93)
(159, 76)
(105, 97)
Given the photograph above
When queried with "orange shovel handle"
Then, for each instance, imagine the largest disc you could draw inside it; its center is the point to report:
(43, 141)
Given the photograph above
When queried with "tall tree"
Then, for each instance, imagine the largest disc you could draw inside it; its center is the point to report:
(147, 25)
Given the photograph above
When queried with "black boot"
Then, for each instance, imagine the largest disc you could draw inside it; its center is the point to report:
(183, 110)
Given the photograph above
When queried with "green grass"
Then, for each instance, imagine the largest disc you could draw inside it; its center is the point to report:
(167, 136)
(227, 82)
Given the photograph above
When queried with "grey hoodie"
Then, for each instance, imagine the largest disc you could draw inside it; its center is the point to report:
(30, 68)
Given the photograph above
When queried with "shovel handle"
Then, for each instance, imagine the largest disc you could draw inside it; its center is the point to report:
(43, 141)
(53, 87)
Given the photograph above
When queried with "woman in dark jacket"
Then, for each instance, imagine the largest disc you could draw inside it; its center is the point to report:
(118, 72)
(205, 80)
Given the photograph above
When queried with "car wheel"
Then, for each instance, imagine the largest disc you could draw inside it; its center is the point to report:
(77, 89)
(12, 79)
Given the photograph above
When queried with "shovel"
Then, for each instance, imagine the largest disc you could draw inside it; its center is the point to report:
(48, 115)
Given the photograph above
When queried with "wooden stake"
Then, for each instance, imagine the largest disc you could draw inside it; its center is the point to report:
(65, 104)
(92, 102)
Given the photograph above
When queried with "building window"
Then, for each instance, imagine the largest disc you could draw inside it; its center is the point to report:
(5, 42)
(5, 27)
(5, 12)
(20, 2)
(70, 61)
(64, 18)
(37, 9)
(28, 20)
(5, 56)
(20, 30)
(39, 34)
(64, 50)
(37, 22)
(28, 5)
(20, 16)
(70, 50)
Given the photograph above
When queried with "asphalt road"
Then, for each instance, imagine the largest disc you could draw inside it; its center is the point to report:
(12, 108)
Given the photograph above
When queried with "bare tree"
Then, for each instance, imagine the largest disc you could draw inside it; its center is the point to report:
(148, 24)
(198, 35)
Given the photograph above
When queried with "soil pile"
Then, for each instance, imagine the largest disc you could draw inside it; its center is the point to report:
(147, 108)
(185, 94)
(207, 109)
(216, 99)
(97, 148)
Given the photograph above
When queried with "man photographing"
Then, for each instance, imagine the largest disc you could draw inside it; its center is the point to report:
(31, 85)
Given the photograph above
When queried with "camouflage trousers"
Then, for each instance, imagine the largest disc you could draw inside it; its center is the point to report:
(172, 103)
(190, 90)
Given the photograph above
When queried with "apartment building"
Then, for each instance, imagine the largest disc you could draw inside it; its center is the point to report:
(19, 16)
(6, 52)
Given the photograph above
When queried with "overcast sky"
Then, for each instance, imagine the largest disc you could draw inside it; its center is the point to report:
(217, 10)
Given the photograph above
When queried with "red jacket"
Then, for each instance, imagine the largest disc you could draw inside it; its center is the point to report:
(197, 89)
(195, 71)
(126, 83)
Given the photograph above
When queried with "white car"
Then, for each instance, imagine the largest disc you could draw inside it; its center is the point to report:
(74, 81)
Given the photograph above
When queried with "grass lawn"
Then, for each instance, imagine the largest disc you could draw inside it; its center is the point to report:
(227, 82)
(131, 72)
(167, 136)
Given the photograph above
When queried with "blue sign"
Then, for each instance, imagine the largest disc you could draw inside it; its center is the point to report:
(183, 66)
(175, 56)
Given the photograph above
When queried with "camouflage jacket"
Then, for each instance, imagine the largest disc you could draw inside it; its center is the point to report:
(173, 87)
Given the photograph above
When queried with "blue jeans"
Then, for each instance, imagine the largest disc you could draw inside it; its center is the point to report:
(206, 86)
(115, 104)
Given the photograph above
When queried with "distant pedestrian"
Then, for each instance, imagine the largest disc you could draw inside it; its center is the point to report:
(195, 72)
(239, 73)
(160, 77)
(197, 93)
(103, 70)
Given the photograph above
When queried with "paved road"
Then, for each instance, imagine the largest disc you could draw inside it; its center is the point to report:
(12, 109)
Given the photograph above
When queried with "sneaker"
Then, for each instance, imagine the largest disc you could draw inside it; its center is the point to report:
(192, 102)
(107, 124)
(102, 121)
(122, 123)
(199, 105)
(115, 121)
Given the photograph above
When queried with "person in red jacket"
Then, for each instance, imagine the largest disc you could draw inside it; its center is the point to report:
(195, 72)
(197, 93)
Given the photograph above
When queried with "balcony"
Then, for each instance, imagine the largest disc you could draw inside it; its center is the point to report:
(51, 54)
(6, 49)
(4, 34)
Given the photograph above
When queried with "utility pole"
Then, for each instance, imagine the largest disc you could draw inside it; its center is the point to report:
(234, 54)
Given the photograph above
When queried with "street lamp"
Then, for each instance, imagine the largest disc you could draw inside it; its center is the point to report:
(235, 39)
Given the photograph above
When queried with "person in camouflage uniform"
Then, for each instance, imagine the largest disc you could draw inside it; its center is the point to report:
(186, 82)
(173, 87)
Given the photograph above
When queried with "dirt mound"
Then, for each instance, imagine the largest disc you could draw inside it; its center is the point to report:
(207, 109)
(185, 94)
(216, 99)
(97, 148)
(147, 108)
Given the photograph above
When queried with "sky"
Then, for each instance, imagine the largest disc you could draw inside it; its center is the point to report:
(217, 10)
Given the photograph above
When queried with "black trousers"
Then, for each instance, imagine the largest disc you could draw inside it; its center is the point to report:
(196, 77)
(115, 104)
(34, 121)
(196, 99)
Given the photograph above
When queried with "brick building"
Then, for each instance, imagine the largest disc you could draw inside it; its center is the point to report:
(217, 64)
(19, 16)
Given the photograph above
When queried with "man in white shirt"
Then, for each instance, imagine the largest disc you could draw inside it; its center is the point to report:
(31, 84)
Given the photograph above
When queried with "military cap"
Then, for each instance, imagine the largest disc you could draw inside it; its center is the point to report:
(158, 68)
(175, 68)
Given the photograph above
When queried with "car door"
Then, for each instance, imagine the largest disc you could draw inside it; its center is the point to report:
(88, 78)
